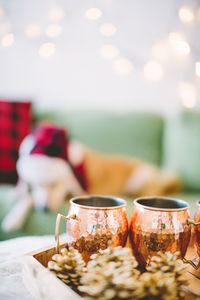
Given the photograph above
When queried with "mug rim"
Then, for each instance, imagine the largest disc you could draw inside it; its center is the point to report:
(135, 202)
(124, 204)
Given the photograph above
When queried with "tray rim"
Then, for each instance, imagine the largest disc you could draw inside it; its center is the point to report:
(30, 258)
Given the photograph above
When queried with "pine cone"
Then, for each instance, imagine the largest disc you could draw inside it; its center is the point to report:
(111, 274)
(154, 286)
(68, 266)
(166, 262)
(170, 270)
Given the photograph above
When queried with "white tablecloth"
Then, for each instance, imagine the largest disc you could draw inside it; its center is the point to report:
(11, 256)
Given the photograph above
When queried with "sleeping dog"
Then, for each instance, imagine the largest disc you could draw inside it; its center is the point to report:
(50, 166)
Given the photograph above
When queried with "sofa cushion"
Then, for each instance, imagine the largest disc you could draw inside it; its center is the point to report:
(15, 122)
(40, 223)
(133, 134)
(182, 148)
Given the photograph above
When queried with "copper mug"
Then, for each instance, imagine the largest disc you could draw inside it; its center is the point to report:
(159, 224)
(93, 222)
(197, 230)
(196, 262)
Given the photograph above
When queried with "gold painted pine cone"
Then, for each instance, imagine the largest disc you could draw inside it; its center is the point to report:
(166, 262)
(68, 266)
(169, 265)
(110, 274)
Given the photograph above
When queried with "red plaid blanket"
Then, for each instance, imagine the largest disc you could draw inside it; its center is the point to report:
(15, 123)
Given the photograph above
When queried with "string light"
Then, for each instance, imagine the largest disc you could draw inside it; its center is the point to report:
(186, 14)
(160, 51)
(123, 66)
(107, 29)
(53, 30)
(189, 103)
(187, 94)
(182, 48)
(33, 30)
(178, 44)
(197, 68)
(109, 51)
(175, 36)
(46, 50)
(153, 71)
(56, 14)
(93, 13)
(7, 40)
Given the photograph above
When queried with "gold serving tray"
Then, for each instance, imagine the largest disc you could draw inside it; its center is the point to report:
(44, 285)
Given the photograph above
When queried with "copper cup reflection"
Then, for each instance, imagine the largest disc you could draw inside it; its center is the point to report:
(159, 224)
(93, 222)
(195, 262)
(197, 229)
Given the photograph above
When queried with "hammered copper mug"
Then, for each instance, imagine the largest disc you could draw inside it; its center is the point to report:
(159, 224)
(93, 222)
(197, 230)
(196, 223)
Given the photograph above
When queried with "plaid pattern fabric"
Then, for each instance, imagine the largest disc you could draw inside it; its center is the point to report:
(50, 140)
(15, 122)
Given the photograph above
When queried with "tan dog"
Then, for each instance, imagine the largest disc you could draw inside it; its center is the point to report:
(50, 167)
(118, 175)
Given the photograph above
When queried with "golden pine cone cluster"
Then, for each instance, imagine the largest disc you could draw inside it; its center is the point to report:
(69, 266)
(154, 286)
(166, 262)
(111, 274)
(169, 266)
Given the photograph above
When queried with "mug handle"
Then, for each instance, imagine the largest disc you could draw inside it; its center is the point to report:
(192, 222)
(195, 266)
(57, 229)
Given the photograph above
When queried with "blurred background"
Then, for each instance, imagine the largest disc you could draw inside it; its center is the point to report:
(109, 54)
(120, 77)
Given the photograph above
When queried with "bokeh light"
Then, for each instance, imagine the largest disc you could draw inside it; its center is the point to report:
(56, 14)
(53, 30)
(197, 68)
(187, 94)
(178, 44)
(33, 30)
(46, 50)
(107, 29)
(160, 51)
(186, 14)
(122, 66)
(109, 51)
(153, 71)
(7, 40)
(93, 13)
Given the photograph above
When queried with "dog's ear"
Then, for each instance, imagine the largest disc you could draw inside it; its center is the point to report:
(26, 145)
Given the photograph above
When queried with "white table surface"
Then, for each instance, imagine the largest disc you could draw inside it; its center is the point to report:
(11, 260)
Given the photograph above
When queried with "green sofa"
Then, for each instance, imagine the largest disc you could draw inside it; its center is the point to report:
(167, 142)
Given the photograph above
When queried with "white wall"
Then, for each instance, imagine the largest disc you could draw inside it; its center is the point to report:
(76, 76)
